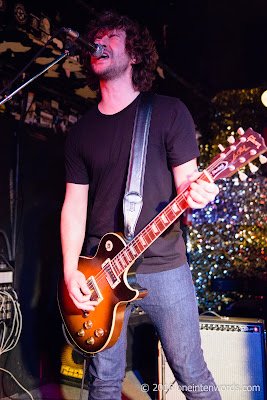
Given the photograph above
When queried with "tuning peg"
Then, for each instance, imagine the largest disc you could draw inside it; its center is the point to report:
(263, 159)
(231, 139)
(253, 168)
(242, 176)
(221, 147)
(240, 131)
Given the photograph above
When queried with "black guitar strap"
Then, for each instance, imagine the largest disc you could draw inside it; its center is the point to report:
(133, 197)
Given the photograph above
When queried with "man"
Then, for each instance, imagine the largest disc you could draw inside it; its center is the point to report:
(97, 155)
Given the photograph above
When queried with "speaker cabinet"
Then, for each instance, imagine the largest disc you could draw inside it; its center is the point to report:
(234, 350)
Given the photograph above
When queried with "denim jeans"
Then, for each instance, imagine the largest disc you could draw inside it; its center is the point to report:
(171, 305)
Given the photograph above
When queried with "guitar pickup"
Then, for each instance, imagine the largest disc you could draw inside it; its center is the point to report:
(111, 276)
(96, 294)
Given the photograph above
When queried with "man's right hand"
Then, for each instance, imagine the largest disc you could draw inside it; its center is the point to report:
(79, 292)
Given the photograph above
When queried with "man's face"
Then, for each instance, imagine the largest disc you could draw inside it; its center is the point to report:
(115, 62)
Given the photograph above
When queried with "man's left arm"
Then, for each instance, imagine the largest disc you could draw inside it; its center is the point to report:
(200, 192)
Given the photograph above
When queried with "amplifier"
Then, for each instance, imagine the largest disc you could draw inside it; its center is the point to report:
(234, 350)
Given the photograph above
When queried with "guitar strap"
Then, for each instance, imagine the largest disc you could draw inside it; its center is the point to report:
(133, 197)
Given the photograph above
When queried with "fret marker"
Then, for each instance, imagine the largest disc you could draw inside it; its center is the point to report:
(154, 228)
(121, 260)
(164, 219)
(142, 240)
(127, 256)
(132, 250)
(175, 209)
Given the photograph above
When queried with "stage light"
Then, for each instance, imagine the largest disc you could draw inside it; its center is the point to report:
(264, 98)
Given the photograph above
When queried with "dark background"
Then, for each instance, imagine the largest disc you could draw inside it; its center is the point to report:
(209, 46)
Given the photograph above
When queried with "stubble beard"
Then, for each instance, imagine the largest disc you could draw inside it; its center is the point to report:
(112, 72)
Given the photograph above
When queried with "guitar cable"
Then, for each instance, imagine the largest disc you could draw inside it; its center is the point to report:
(9, 341)
(83, 378)
(84, 359)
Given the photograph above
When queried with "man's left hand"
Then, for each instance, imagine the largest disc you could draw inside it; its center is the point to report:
(201, 192)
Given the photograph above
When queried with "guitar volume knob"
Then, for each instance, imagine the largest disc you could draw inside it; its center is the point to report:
(90, 340)
(99, 332)
(81, 332)
(88, 324)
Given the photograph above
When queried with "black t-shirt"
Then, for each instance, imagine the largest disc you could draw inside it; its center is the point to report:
(97, 153)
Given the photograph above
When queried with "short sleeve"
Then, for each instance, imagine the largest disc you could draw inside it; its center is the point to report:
(181, 143)
(75, 167)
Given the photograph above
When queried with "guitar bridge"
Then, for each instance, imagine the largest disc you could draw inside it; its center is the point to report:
(96, 294)
(111, 276)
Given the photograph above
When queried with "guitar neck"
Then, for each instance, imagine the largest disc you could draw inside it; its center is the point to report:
(154, 229)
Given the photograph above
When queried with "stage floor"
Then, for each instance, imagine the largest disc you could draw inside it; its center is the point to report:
(131, 391)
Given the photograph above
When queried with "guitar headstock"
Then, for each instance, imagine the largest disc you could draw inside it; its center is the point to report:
(242, 151)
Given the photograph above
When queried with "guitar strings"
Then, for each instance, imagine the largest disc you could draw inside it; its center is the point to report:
(135, 242)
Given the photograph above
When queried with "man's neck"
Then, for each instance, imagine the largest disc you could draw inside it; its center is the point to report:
(116, 95)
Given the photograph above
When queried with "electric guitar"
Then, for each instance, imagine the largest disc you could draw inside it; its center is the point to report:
(108, 274)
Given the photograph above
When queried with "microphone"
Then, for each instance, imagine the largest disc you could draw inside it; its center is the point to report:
(95, 49)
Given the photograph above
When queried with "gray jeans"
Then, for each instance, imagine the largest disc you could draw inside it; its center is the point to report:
(171, 305)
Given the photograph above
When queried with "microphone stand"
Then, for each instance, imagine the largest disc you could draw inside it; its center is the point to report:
(65, 54)
(14, 185)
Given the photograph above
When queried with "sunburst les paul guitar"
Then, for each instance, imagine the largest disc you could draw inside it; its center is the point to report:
(108, 273)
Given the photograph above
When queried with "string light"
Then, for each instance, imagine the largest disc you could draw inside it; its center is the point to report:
(228, 239)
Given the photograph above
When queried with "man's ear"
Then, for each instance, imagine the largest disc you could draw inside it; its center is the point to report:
(136, 60)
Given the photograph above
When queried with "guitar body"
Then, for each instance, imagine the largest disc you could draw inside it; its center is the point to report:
(96, 330)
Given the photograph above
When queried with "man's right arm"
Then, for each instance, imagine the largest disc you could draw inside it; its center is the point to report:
(73, 225)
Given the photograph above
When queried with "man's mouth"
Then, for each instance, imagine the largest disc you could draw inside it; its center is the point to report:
(104, 55)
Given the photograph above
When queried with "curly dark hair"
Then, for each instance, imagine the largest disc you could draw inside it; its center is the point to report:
(138, 44)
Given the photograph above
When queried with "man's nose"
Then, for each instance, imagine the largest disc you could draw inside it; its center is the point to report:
(104, 41)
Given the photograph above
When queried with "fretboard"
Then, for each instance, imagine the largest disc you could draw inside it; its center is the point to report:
(153, 230)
